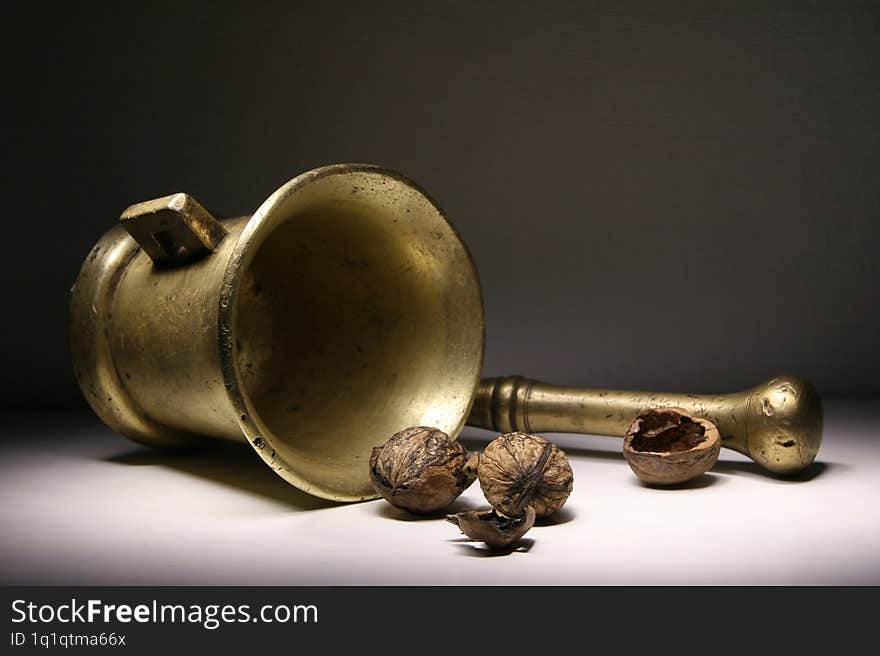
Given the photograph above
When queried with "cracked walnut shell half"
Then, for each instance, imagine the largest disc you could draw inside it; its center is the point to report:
(666, 446)
(496, 530)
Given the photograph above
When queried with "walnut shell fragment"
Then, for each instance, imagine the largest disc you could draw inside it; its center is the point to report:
(496, 530)
(518, 470)
(422, 470)
(666, 446)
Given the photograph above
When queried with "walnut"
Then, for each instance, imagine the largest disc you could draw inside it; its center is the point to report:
(493, 528)
(666, 446)
(518, 470)
(422, 470)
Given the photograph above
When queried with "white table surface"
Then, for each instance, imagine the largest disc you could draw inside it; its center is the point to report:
(80, 505)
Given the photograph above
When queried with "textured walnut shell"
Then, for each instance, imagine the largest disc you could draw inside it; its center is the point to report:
(422, 470)
(497, 531)
(518, 470)
(666, 446)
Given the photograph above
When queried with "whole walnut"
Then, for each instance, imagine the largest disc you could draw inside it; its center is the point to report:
(422, 470)
(518, 470)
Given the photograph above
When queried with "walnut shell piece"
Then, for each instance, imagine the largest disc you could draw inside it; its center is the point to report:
(422, 470)
(518, 470)
(666, 446)
(496, 530)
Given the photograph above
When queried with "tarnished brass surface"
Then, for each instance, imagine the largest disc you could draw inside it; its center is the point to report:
(345, 309)
(778, 424)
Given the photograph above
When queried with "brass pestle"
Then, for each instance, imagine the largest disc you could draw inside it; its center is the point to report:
(778, 424)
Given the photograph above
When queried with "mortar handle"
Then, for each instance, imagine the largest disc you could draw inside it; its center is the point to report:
(173, 229)
(778, 424)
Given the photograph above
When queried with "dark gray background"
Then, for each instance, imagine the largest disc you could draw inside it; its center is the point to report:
(667, 195)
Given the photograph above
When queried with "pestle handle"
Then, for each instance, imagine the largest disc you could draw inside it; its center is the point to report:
(778, 424)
